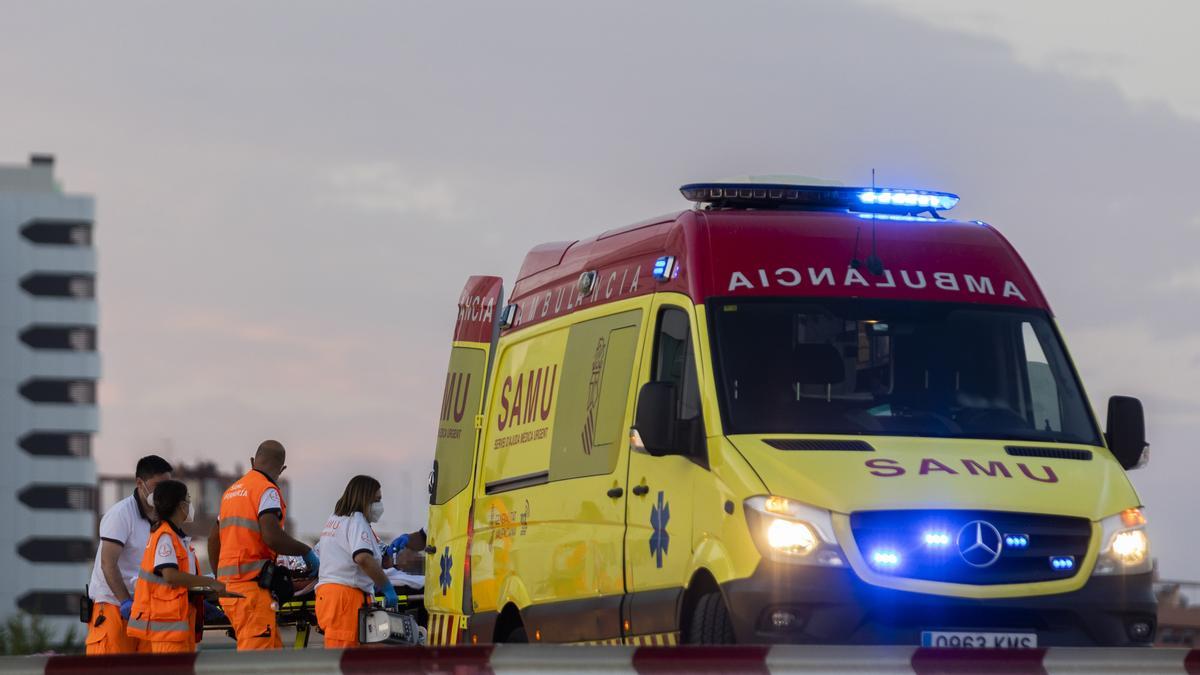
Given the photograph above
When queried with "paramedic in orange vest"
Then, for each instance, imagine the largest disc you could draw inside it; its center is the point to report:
(163, 615)
(249, 534)
(352, 563)
(124, 532)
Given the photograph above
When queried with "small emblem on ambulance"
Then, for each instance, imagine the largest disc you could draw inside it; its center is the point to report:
(979, 543)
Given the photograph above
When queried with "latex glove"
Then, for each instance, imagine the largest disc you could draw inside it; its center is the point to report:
(390, 601)
(398, 544)
(126, 608)
(313, 562)
(212, 613)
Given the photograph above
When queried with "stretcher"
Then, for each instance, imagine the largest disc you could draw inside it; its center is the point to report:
(301, 612)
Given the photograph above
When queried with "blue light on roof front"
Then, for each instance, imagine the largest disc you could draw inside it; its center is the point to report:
(664, 267)
(917, 198)
(897, 216)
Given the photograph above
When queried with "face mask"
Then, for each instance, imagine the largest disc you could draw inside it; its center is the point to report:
(191, 516)
(376, 512)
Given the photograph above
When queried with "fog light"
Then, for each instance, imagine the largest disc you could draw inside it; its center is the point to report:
(782, 619)
(1141, 631)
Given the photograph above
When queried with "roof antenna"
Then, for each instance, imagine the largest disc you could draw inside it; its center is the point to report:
(874, 264)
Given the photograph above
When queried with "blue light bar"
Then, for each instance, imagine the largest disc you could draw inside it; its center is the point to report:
(885, 559)
(1062, 563)
(664, 267)
(1016, 540)
(785, 195)
(936, 538)
(939, 201)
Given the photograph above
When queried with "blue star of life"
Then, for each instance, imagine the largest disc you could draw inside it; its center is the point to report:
(447, 563)
(659, 539)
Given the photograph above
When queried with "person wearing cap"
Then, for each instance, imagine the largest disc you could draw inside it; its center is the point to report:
(163, 614)
(247, 536)
(124, 532)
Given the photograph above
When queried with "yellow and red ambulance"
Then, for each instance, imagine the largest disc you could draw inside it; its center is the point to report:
(796, 413)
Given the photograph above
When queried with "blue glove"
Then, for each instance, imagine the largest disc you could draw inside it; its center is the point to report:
(313, 562)
(126, 608)
(212, 613)
(398, 544)
(390, 601)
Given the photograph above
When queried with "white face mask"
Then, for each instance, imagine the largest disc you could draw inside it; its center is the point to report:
(376, 512)
(191, 516)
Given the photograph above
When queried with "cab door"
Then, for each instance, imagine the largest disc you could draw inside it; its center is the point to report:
(446, 568)
(658, 538)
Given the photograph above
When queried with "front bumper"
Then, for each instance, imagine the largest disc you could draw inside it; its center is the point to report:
(833, 606)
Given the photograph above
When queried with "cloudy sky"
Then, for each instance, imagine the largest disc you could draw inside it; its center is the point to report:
(291, 195)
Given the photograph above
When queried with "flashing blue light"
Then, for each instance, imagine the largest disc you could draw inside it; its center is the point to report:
(910, 198)
(896, 216)
(1016, 540)
(664, 267)
(1062, 563)
(936, 539)
(885, 558)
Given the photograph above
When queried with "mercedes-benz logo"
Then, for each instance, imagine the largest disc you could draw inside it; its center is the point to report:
(979, 543)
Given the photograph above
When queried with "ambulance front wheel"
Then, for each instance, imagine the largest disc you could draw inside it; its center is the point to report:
(710, 622)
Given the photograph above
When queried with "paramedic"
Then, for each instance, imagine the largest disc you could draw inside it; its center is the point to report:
(352, 567)
(247, 536)
(124, 531)
(163, 615)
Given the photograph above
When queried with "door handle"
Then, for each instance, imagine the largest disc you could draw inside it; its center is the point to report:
(641, 490)
(615, 492)
(431, 549)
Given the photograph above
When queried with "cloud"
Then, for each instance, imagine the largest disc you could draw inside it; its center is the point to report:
(386, 187)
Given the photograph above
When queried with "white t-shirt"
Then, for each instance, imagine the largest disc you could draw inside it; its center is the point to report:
(164, 553)
(125, 524)
(341, 539)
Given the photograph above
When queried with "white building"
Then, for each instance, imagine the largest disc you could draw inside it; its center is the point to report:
(49, 368)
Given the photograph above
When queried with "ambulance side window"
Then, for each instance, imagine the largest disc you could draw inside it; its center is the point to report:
(594, 399)
(675, 362)
(456, 426)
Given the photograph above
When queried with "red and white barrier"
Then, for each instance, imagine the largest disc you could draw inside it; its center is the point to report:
(546, 659)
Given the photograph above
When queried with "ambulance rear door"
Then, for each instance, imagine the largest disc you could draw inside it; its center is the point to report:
(446, 566)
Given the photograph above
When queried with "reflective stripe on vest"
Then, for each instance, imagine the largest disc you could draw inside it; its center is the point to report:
(235, 521)
(252, 566)
(159, 626)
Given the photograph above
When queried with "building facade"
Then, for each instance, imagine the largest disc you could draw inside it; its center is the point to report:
(49, 369)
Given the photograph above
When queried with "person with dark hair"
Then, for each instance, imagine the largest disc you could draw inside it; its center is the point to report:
(352, 563)
(248, 536)
(163, 614)
(124, 531)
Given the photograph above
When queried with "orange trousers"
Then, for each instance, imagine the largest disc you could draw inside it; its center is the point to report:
(106, 633)
(337, 614)
(252, 617)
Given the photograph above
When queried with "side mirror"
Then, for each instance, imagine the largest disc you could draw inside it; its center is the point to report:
(655, 418)
(1126, 434)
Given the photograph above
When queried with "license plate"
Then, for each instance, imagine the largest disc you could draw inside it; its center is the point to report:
(978, 640)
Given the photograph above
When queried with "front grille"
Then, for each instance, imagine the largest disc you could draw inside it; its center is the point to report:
(930, 545)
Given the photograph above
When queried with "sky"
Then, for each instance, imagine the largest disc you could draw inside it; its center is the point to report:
(290, 195)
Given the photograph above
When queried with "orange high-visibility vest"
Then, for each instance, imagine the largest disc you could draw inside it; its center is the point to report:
(161, 612)
(243, 551)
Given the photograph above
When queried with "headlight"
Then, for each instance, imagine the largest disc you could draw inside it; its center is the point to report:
(1125, 547)
(789, 531)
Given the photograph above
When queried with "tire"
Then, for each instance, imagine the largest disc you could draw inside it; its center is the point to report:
(710, 622)
(516, 636)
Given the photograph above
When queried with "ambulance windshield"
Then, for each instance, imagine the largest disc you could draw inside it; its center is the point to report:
(826, 366)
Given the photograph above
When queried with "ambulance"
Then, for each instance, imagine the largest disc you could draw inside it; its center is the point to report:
(795, 413)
